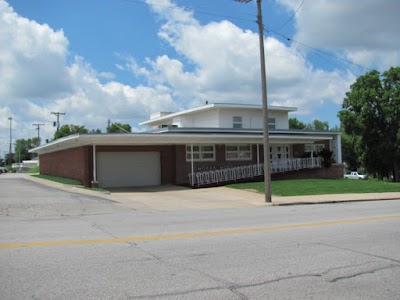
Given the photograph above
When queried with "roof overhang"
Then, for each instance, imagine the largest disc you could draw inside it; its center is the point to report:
(153, 139)
(215, 106)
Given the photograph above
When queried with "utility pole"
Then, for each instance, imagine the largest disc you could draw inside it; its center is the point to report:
(10, 153)
(38, 131)
(58, 114)
(267, 170)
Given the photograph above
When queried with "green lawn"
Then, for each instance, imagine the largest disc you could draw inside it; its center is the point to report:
(59, 179)
(69, 182)
(301, 187)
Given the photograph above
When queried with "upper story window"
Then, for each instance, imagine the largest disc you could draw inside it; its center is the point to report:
(271, 123)
(237, 122)
(238, 152)
(200, 152)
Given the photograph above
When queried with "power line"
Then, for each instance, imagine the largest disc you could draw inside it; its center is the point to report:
(315, 49)
(291, 17)
(274, 31)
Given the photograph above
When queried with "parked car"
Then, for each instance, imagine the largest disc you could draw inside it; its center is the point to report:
(355, 175)
(2, 170)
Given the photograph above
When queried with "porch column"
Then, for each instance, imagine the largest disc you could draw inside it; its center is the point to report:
(339, 149)
(312, 155)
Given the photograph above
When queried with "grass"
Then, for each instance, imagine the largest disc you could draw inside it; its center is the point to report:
(300, 187)
(69, 181)
(34, 170)
(59, 179)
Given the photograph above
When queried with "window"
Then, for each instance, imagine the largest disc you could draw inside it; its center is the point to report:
(200, 153)
(317, 147)
(271, 123)
(237, 122)
(238, 152)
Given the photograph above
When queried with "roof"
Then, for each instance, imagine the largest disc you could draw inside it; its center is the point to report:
(182, 136)
(215, 106)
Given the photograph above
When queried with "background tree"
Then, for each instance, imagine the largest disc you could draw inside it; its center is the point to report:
(119, 128)
(294, 123)
(371, 114)
(317, 125)
(95, 131)
(67, 130)
(22, 147)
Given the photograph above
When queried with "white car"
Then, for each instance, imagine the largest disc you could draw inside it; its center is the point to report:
(355, 175)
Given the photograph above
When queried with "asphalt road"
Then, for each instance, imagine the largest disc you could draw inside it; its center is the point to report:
(60, 245)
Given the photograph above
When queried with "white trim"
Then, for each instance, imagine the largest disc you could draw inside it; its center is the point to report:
(200, 153)
(152, 139)
(238, 151)
(215, 105)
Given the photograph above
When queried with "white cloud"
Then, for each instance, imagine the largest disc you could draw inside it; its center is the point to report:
(224, 66)
(367, 31)
(35, 80)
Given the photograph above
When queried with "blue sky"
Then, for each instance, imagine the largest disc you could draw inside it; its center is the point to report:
(124, 59)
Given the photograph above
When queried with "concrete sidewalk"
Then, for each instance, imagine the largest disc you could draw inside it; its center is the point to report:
(171, 197)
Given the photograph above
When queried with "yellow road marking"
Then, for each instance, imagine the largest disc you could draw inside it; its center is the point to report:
(191, 235)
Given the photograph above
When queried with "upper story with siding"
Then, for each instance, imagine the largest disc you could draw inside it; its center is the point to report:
(218, 115)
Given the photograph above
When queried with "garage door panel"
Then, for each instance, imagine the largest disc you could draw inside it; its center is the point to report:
(119, 169)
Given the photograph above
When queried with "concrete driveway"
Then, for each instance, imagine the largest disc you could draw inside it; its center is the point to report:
(171, 197)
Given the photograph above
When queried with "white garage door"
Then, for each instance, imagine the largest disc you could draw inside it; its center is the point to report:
(119, 169)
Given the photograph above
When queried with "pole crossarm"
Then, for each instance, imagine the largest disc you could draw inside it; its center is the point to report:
(38, 131)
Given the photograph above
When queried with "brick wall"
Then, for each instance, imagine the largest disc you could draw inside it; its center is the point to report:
(70, 163)
(183, 167)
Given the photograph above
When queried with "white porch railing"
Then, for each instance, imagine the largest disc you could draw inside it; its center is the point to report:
(249, 171)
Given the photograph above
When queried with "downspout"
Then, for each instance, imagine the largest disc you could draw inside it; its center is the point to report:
(191, 160)
(94, 182)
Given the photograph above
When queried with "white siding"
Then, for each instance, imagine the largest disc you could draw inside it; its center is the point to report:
(200, 119)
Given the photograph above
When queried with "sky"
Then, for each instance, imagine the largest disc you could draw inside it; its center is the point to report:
(121, 60)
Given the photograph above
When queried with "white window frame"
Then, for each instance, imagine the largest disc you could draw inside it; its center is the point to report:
(239, 153)
(199, 152)
(271, 123)
(237, 122)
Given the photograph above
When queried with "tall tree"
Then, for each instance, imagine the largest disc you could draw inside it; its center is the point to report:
(119, 128)
(66, 130)
(371, 113)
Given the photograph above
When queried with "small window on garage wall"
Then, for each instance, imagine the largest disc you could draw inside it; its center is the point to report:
(238, 152)
(201, 153)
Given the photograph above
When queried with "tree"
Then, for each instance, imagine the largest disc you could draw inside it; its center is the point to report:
(119, 128)
(22, 146)
(371, 115)
(317, 125)
(66, 130)
(294, 123)
(95, 131)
